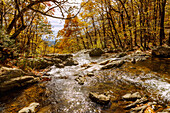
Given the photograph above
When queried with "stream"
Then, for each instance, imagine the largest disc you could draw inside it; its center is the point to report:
(150, 78)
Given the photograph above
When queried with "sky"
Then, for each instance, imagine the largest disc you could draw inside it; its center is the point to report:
(58, 24)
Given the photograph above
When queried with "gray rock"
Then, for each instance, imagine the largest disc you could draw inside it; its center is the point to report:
(133, 96)
(161, 52)
(113, 64)
(30, 109)
(96, 52)
(99, 98)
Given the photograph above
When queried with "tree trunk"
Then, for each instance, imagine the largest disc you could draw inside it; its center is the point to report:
(162, 16)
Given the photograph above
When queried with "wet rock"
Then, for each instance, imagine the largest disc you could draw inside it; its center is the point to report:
(104, 62)
(56, 60)
(90, 74)
(70, 62)
(133, 96)
(60, 65)
(80, 80)
(138, 101)
(30, 109)
(113, 64)
(17, 82)
(99, 98)
(161, 52)
(8, 73)
(96, 52)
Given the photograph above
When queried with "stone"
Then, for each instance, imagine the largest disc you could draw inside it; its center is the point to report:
(99, 98)
(17, 82)
(80, 80)
(90, 74)
(133, 96)
(113, 64)
(57, 60)
(104, 62)
(30, 109)
(70, 62)
(8, 73)
(60, 65)
(96, 52)
(140, 109)
(161, 52)
(138, 101)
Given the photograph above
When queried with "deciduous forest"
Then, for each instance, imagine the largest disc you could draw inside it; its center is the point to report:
(100, 23)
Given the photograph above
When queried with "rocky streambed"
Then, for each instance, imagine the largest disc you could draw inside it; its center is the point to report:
(109, 83)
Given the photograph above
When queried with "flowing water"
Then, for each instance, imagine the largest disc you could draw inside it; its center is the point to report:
(151, 78)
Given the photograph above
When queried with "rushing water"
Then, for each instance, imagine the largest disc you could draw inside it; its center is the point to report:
(144, 77)
(151, 78)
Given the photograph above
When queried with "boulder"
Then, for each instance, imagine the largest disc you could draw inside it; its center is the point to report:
(17, 82)
(113, 64)
(99, 98)
(30, 109)
(96, 52)
(8, 73)
(161, 52)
